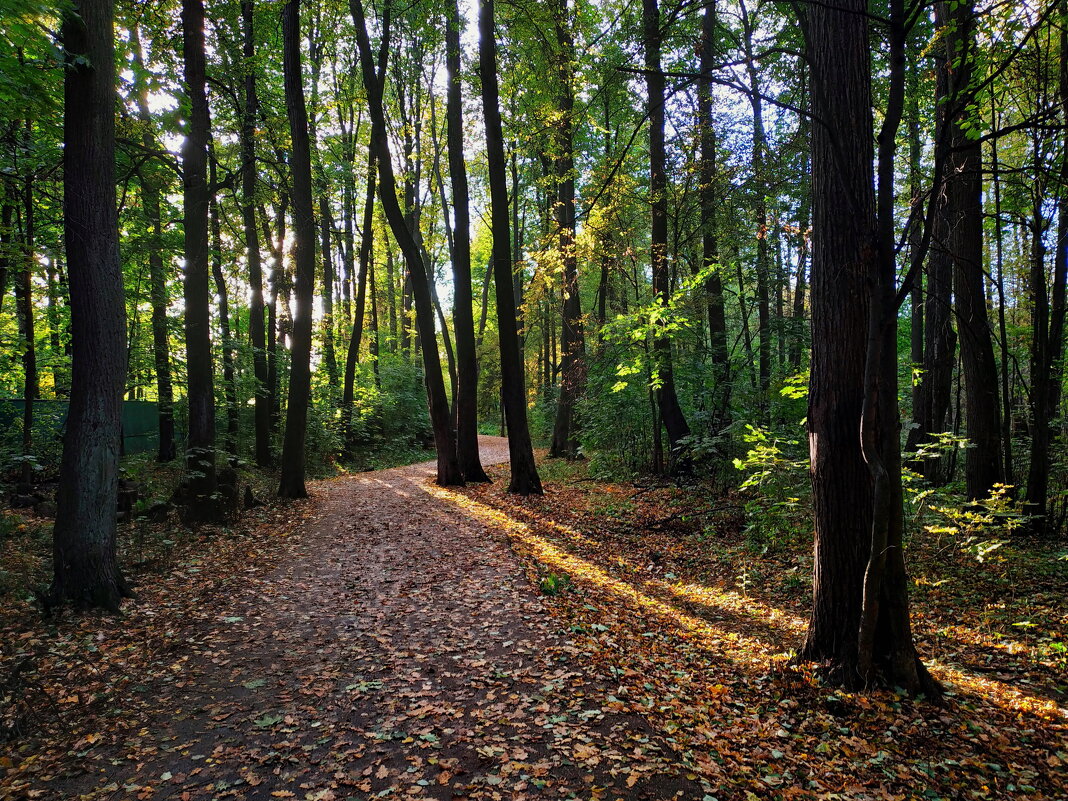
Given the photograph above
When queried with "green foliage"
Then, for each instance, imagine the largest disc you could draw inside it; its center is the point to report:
(982, 527)
(775, 481)
(555, 583)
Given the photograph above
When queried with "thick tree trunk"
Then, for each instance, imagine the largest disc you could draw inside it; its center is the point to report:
(525, 480)
(667, 399)
(86, 571)
(448, 473)
(291, 481)
(200, 453)
(465, 403)
(249, 180)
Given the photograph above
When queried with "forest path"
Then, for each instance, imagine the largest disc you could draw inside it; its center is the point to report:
(398, 652)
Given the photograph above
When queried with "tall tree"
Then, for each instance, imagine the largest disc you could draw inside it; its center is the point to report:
(249, 181)
(525, 480)
(157, 273)
(200, 451)
(291, 482)
(859, 624)
(671, 413)
(466, 401)
(86, 570)
(448, 473)
(964, 242)
(565, 440)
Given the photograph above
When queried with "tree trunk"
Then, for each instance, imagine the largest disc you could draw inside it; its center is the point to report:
(291, 481)
(572, 337)
(157, 271)
(964, 217)
(448, 472)
(352, 357)
(717, 320)
(86, 571)
(27, 330)
(763, 260)
(670, 410)
(465, 403)
(249, 179)
(1047, 368)
(229, 374)
(200, 454)
(525, 480)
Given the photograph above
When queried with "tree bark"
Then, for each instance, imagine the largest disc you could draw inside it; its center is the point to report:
(964, 213)
(448, 469)
(465, 404)
(525, 480)
(86, 570)
(667, 399)
(200, 453)
(291, 481)
(249, 181)
(572, 337)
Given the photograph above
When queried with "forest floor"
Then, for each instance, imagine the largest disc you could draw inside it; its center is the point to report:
(388, 638)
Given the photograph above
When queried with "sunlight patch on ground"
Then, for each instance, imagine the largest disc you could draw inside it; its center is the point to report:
(738, 647)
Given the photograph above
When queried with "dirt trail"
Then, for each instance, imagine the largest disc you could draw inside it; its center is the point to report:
(400, 652)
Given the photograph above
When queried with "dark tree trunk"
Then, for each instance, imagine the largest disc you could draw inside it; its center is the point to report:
(157, 271)
(86, 571)
(964, 217)
(352, 357)
(466, 398)
(525, 479)
(275, 318)
(229, 374)
(1047, 369)
(670, 410)
(859, 622)
(200, 453)
(717, 319)
(448, 473)
(291, 481)
(249, 180)
(763, 261)
(572, 337)
(329, 355)
(27, 330)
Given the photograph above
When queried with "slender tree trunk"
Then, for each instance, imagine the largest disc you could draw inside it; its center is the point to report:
(157, 272)
(964, 212)
(565, 440)
(1048, 349)
(717, 319)
(86, 571)
(670, 410)
(352, 357)
(291, 481)
(763, 261)
(525, 480)
(200, 454)
(465, 403)
(27, 329)
(229, 373)
(249, 181)
(329, 354)
(448, 473)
